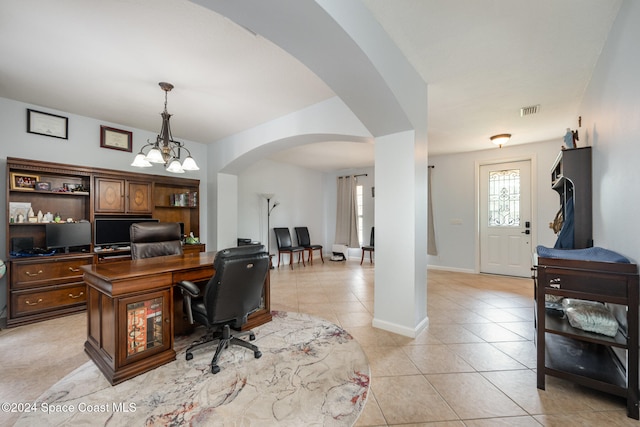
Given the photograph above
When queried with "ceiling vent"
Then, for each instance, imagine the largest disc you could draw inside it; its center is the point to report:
(527, 111)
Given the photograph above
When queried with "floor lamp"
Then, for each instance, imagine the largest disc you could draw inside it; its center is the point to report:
(270, 207)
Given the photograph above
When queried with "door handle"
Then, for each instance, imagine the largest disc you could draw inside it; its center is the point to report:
(526, 232)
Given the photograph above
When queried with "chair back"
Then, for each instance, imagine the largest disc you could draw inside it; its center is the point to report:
(152, 239)
(302, 234)
(371, 239)
(283, 237)
(235, 290)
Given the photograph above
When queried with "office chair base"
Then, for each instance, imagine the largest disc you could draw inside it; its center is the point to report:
(223, 339)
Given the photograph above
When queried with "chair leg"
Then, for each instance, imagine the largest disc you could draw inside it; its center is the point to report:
(371, 257)
(321, 257)
(279, 256)
(362, 259)
(207, 339)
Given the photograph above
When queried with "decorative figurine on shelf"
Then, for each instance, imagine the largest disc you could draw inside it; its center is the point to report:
(570, 138)
(40, 216)
(57, 218)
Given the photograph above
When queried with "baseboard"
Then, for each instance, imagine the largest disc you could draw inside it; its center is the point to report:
(400, 329)
(452, 269)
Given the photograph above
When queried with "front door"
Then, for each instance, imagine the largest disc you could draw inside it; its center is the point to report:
(505, 218)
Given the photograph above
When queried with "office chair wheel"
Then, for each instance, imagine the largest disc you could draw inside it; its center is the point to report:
(189, 356)
(252, 337)
(257, 354)
(215, 369)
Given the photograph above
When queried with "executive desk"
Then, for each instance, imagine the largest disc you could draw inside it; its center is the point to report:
(133, 313)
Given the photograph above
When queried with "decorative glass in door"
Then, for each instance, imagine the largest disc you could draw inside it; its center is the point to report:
(144, 325)
(504, 198)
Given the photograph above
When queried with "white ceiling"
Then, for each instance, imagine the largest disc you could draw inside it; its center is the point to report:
(482, 59)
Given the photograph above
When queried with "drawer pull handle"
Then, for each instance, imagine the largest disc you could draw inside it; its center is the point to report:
(33, 303)
(76, 296)
(75, 270)
(28, 273)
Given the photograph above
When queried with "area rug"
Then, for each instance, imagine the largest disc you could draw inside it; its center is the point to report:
(311, 373)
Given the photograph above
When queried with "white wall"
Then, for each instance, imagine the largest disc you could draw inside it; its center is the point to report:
(83, 149)
(454, 200)
(611, 124)
(299, 191)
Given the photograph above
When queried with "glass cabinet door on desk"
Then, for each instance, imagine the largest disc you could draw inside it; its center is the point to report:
(147, 325)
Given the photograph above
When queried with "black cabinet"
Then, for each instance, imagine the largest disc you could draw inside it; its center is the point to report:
(571, 179)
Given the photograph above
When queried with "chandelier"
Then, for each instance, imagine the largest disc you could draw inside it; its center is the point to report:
(165, 150)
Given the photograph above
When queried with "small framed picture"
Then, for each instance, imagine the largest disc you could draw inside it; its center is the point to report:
(47, 124)
(115, 139)
(72, 187)
(21, 181)
(43, 186)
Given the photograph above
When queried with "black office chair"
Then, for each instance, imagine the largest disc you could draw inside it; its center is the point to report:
(234, 292)
(369, 248)
(285, 245)
(152, 239)
(302, 234)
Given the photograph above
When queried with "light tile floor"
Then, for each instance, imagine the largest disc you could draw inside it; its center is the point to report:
(473, 366)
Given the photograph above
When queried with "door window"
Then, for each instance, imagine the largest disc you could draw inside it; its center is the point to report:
(504, 198)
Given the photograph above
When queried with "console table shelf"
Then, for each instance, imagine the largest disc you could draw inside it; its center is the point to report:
(586, 358)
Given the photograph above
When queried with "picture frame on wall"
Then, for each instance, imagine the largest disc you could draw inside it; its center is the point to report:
(47, 124)
(21, 181)
(116, 139)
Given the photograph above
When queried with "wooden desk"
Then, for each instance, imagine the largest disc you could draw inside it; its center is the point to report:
(130, 311)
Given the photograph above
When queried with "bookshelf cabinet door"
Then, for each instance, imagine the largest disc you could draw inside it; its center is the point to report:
(138, 197)
(110, 195)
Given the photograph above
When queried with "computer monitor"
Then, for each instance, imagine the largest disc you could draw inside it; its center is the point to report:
(67, 235)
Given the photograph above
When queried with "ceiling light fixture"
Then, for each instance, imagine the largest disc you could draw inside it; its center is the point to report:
(165, 150)
(501, 139)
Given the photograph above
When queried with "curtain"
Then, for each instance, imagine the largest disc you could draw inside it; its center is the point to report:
(431, 242)
(347, 213)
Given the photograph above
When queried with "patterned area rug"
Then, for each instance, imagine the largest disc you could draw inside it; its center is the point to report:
(311, 373)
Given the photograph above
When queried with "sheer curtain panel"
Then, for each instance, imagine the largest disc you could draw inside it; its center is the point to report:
(431, 242)
(347, 212)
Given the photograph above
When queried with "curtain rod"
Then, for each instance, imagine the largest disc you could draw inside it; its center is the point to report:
(346, 176)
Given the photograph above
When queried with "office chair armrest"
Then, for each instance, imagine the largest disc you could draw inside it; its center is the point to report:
(190, 288)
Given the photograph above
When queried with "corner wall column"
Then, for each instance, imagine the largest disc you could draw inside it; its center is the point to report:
(400, 304)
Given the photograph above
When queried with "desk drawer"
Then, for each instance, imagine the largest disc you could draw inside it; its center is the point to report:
(195, 275)
(45, 299)
(29, 274)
